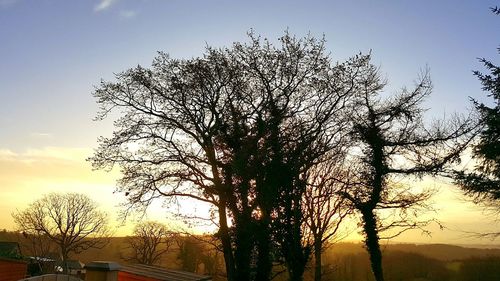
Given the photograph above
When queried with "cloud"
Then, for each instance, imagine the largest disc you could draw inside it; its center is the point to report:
(41, 135)
(26, 175)
(127, 14)
(104, 5)
(53, 163)
(6, 154)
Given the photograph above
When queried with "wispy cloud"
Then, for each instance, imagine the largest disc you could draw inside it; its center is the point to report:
(41, 135)
(128, 14)
(44, 154)
(104, 5)
(26, 175)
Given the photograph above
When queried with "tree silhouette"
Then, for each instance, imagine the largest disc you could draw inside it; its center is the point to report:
(149, 242)
(483, 184)
(390, 144)
(324, 210)
(72, 221)
(237, 128)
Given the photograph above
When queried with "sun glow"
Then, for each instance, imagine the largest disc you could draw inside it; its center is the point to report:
(25, 176)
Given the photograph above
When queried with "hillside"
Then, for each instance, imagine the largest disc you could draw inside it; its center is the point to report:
(116, 248)
(443, 252)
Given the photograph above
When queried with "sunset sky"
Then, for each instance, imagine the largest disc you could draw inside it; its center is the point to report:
(53, 52)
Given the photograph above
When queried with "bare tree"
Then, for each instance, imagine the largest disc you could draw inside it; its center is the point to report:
(149, 242)
(390, 144)
(237, 128)
(72, 221)
(37, 244)
(324, 210)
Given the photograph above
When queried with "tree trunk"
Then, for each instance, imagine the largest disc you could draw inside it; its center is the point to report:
(243, 251)
(317, 259)
(296, 274)
(372, 244)
(226, 243)
(64, 256)
(295, 255)
(264, 263)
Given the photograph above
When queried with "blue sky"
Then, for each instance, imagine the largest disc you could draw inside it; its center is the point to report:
(52, 52)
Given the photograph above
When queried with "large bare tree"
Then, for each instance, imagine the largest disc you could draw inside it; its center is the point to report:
(72, 221)
(237, 128)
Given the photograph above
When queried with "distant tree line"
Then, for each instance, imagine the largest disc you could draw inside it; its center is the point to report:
(400, 265)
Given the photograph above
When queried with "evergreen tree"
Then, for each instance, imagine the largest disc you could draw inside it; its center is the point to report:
(484, 183)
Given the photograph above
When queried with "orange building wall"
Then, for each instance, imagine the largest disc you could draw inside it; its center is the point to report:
(12, 270)
(125, 276)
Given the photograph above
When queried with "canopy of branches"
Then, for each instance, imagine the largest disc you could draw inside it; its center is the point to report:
(247, 129)
(72, 221)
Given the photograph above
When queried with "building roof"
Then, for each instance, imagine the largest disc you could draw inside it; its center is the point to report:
(52, 277)
(41, 259)
(163, 274)
(75, 264)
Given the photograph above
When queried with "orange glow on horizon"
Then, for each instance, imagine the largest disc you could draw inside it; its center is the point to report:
(24, 177)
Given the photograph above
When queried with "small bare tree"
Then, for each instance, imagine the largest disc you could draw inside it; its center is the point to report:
(324, 210)
(40, 247)
(36, 244)
(72, 221)
(150, 241)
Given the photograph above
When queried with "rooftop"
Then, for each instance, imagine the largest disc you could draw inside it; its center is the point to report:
(162, 273)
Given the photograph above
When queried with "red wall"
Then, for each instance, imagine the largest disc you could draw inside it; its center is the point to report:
(12, 270)
(125, 276)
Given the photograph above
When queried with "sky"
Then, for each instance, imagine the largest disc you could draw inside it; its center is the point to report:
(54, 52)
